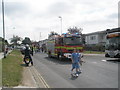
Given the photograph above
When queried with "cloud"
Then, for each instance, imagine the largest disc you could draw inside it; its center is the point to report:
(113, 16)
(60, 8)
(39, 29)
(16, 9)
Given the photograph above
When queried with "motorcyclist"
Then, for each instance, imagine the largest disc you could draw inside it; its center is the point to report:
(27, 53)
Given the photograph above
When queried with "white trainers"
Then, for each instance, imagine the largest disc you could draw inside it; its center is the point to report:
(77, 75)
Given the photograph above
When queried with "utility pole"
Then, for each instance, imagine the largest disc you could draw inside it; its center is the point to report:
(3, 29)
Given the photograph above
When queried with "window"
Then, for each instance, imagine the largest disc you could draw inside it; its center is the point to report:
(92, 37)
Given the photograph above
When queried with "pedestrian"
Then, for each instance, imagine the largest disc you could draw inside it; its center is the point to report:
(6, 51)
(75, 62)
(32, 50)
(42, 49)
(35, 49)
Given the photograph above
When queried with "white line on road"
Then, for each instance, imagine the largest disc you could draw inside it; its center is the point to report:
(104, 60)
(94, 62)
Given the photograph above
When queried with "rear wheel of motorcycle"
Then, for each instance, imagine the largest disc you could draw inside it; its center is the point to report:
(27, 64)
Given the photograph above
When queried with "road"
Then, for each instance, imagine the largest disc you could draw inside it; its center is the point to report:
(96, 72)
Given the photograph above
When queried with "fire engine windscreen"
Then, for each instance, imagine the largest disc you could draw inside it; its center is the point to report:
(72, 41)
(113, 43)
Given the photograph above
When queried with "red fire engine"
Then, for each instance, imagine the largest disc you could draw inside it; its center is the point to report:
(62, 46)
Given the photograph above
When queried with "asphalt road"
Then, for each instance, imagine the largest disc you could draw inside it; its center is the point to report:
(96, 72)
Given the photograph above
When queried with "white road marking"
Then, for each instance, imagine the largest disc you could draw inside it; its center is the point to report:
(95, 62)
(104, 60)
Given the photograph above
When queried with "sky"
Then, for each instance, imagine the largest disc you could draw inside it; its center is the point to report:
(37, 18)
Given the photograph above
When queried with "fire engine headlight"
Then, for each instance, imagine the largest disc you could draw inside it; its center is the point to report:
(67, 55)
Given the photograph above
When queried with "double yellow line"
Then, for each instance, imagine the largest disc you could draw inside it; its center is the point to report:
(38, 75)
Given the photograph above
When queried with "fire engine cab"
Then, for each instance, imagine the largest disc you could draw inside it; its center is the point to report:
(62, 46)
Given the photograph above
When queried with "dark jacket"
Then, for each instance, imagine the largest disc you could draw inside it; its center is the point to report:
(27, 52)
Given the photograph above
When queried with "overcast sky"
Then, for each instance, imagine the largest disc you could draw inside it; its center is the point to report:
(27, 18)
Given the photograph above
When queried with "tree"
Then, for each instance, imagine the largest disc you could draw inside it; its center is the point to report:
(26, 41)
(52, 33)
(75, 30)
(15, 40)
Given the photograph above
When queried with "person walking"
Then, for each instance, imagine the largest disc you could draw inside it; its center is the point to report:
(75, 62)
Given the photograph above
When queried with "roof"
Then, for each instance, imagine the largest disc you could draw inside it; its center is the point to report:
(113, 30)
(105, 31)
(99, 32)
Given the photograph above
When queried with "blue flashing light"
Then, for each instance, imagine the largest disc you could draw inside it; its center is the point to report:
(64, 33)
(76, 33)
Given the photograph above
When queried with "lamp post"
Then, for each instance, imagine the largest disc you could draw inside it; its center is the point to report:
(40, 36)
(3, 29)
(61, 23)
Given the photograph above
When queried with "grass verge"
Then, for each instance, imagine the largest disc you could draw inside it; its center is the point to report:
(0, 73)
(93, 52)
(12, 69)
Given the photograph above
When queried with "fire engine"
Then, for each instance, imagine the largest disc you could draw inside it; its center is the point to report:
(62, 46)
(112, 47)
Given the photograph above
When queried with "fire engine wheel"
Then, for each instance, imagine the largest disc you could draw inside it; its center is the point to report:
(49, 55)
(106, 55)
(60, 57)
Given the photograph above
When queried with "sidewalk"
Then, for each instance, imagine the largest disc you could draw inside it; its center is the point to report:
(27, 80)
(32, 79)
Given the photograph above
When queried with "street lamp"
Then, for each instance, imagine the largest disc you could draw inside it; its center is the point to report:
(3, 28)
(40, 36)
(61, 23)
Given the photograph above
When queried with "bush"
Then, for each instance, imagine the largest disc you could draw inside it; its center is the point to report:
(94, 48)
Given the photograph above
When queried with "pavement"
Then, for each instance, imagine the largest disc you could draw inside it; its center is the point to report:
(32, 79)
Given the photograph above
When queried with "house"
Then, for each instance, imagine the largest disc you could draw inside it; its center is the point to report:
(43, 42)
(96, 38)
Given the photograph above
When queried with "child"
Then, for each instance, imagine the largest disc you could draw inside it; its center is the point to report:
(75, 62)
